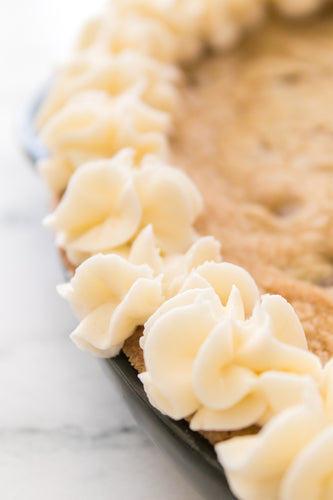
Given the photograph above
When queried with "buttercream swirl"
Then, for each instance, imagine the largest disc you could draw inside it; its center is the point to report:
(166, 31)
(174, 31)
(114, 74)
(176, 267)
(209, 350)
(108, 202)
(111, 297)
(93, 124)
(298, 8)
(113, 294)
(291, 457)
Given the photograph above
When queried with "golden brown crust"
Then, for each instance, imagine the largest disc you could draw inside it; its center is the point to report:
(134, 352)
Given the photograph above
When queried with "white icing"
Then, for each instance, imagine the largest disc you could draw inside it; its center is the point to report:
(243, 414)
(282, 390)
(111, 297)
(166, 31)
(88, 33)
(272, 392)
(292, 456)
(243, 357)
(108, 202)
(255, 464)
(175, 268)
(263, 351)
(219, 383)
(224, 277)
(169, 350)
(56, 171)
(114, 74)
(93, 125)
(171, 203)
(298, 8)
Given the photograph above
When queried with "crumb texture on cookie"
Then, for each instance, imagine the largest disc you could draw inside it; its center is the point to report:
(113, 294)
(266, 148)
(114, 74)
(92, 125)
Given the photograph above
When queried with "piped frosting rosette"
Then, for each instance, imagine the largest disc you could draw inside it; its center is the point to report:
(220, 354)
(292, 456)
(108, 203)
(93, 124)
(174, 268)
(112, 295)
(298, 8)
(166, 31)
(114, 74)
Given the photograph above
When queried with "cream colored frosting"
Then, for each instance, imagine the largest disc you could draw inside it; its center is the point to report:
(110, 297)
(208, 349)
(114, 74)
(298, 8)
(170, 353)
(108, 202)
(255, 464)
(174, 268)
(113, 294)
(94, 125)
(311, 474)
(166, 31)
(224, 22)
(56, 171)
(291, 458)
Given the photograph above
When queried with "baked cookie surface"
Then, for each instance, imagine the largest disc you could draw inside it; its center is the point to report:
(255, 133)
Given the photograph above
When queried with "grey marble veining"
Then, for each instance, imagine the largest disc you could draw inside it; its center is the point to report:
(65, 432)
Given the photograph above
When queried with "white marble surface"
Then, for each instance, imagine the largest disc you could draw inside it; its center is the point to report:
(65, 432)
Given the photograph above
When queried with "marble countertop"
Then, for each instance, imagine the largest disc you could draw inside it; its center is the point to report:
(65, 432)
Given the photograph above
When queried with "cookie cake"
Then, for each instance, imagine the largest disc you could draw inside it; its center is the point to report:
(190, 168)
